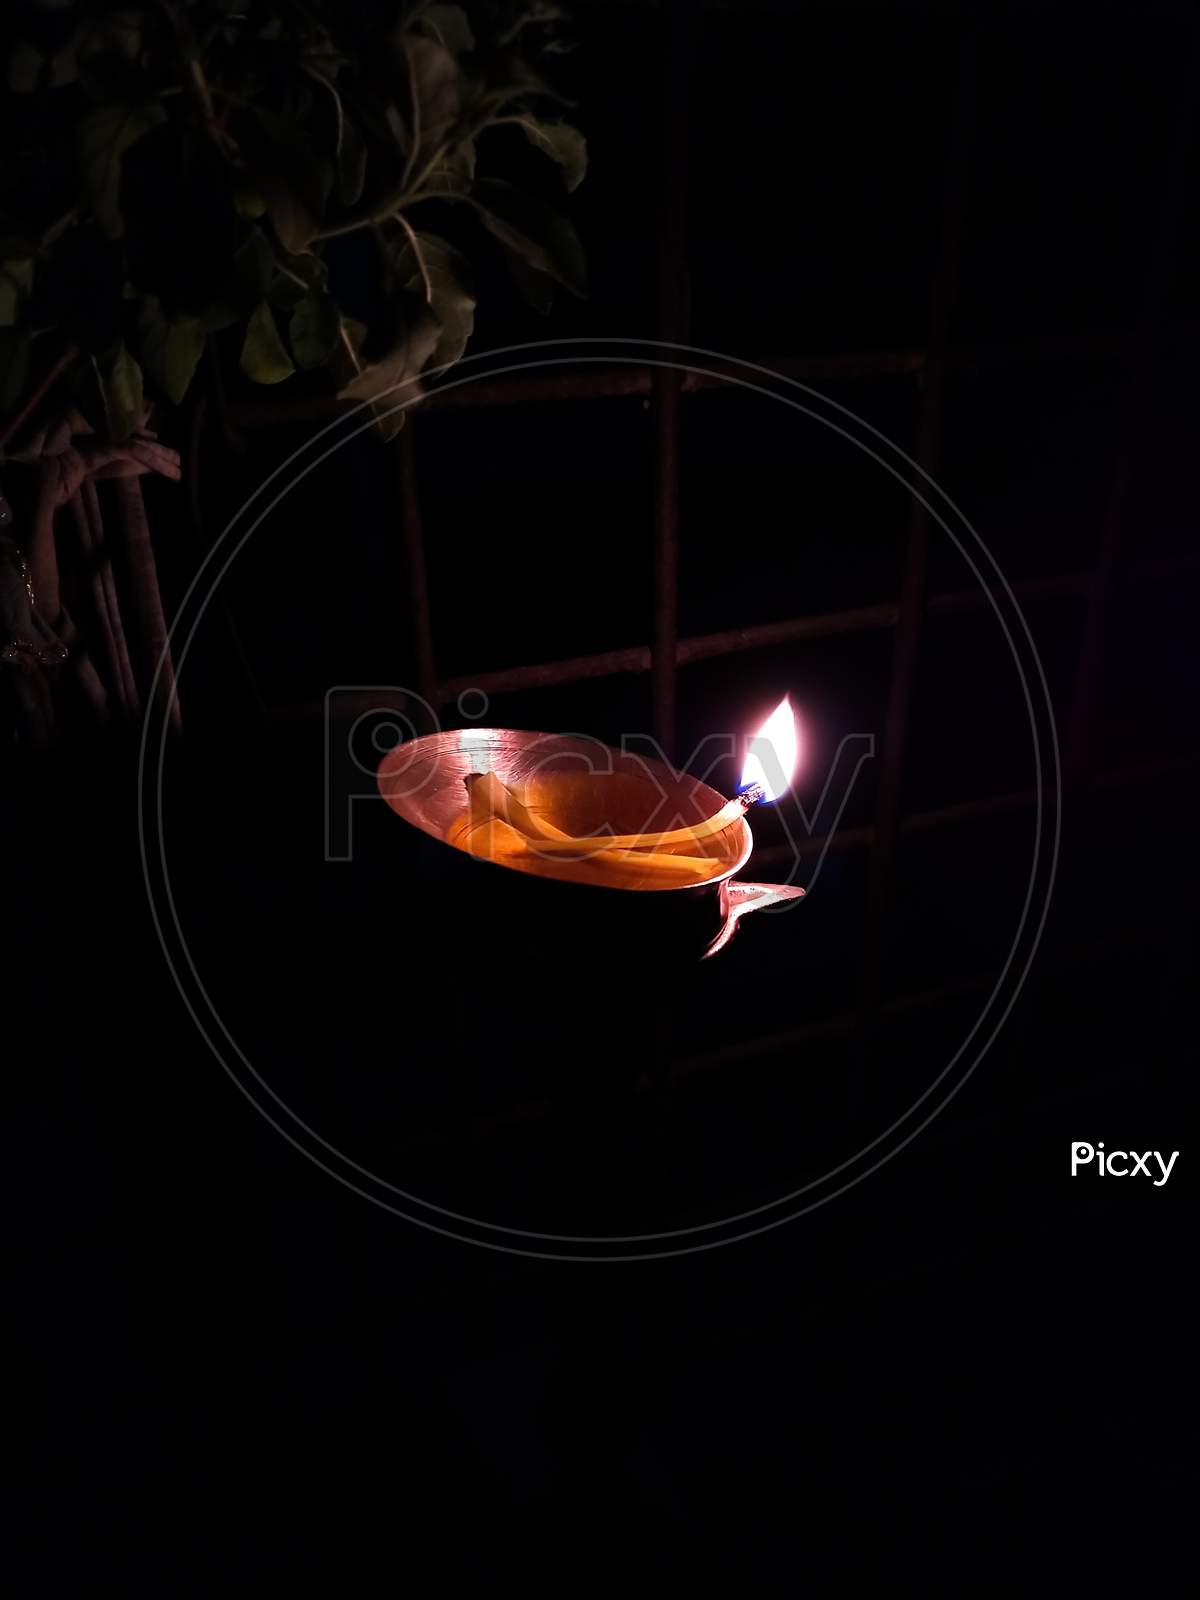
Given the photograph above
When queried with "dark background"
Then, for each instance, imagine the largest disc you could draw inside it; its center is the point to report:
(969, 1368)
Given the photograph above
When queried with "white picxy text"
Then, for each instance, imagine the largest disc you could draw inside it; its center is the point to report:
(1120, 1163)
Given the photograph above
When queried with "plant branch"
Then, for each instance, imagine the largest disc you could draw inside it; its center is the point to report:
(300, 282)
(185, 41)
(56, 229)
(400, 197)
(419, 253)
(344, 335)
(416, 119)
(337, 101)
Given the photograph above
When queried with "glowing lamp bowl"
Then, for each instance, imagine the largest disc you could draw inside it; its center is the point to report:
(588, 791)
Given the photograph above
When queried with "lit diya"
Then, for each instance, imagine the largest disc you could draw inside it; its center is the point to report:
(623, 841)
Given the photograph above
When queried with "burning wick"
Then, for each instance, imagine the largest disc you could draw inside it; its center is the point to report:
(772, 753)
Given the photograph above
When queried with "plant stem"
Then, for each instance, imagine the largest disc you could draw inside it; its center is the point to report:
(403, 196)
(344, 335)
(412, 239)
(337, 101)
(416, 120)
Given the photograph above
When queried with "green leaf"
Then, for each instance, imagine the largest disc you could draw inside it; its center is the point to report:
(454, 172)
(313, 329)
(563, 144)
(28, 70)
(16, 281)
(295, 277)
(101, 140)
(285, 170)
(254, 270)
(121, 386)
(14, 366)
(515, 81)
(264, 357)
(440, 275)
(539, 234)
(537, 289)
(349, 149)
(169, 347)
(393, 381)
(64, 66)
(534, 14)
(450, 27)
(292, 216)
(388, 422)
(436, 82)
(247, 201)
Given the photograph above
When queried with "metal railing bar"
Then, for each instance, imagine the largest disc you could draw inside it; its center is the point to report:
(633, 382)
(733, 641)
(912, 590)
(703, 647)
(698, 647)
(671, 323)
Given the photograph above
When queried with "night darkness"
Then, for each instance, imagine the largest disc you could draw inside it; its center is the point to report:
(977, 230)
